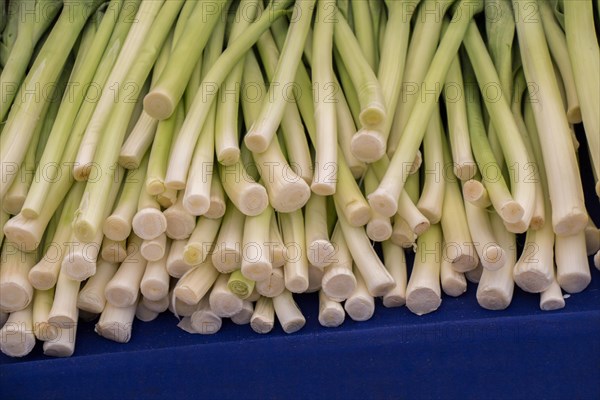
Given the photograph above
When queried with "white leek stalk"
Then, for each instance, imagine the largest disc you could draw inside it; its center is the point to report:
(245, 315)
(453, 283)
(464, 166)
(123, 288)
(158, 306)
(116, 323)
(377, 278)
(227, 255)
(118, 225)
(379, 228)
(113, 251)
(256, 261)
(176, 264)
(155, 281)
(360, 306)
(81, 262)
(244, 192)
(64, 311)
(180, 221)
(432, 196)
(552, 298)
(196, 283)
(149, 222)
(154, 249)
(557, 43)
(423, 292)
(16, 292)
(16, 336)
(42, 304)
(91, 296)
(204, 320)
(572, 266)
(201, 240)
(319, 250)
(395, 262)
(331, 313)
(338, 281)
(289, 315)
(495, 288)
(263, 318)
(274, 285)
(160, 103)
(222, 301)
(296, 264)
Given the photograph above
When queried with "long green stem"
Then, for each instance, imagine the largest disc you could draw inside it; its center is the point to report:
(385, 198)
(569, 214)
(25, 113)
(31, 27)
(585, 60)
(160, 103)
(324, 181)
(179, 163)
(261, 133)
(498, 106)
(423, 43)
(89, 220)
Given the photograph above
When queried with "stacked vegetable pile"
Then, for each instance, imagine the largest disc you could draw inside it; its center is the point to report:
(212, 157)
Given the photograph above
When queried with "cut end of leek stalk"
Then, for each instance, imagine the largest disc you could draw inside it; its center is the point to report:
(357, 213)
(42, 278)
(255, 200)
(159, 104)
(320, 253)
(229, 155)
(257, 270)
(292, 196)
(323, 188)
(379, 230)
(149, 223)
(79, 267)
(360, 308)
(475, 193)
(552, 298)
(532, 280)
(423, 300)
(465, 171)
(571, 224)
(511, 212)
(493, 257)
(84, 230)
(15, 296)
(255, 142)
(383, 202)
(373, 115)
(368, 145)
(492, 298)
(338, 283)
(116, 228)
(180, 224)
